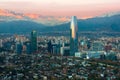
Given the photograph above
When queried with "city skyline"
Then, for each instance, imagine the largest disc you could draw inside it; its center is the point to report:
(59, 40)
(63, 8)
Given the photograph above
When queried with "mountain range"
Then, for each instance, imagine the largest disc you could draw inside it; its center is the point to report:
(7, 15)
(12, 22)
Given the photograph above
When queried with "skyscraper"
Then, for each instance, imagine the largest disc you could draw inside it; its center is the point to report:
(73, 36)
(28, 48)
(33, 41)
(49, 47)
(19, 47)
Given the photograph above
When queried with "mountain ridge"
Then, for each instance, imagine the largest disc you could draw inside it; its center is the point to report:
(7, 15)
(13, 24)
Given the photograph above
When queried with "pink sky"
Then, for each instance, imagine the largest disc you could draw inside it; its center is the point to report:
(80, 8)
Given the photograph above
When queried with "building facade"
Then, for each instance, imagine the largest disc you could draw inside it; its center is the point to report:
(73, 36)
(19, 47)
(33, 41)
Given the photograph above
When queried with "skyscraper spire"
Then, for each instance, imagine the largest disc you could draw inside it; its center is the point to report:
(74, 26)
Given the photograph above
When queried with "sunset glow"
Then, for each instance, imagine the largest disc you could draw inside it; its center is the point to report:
(80, 8)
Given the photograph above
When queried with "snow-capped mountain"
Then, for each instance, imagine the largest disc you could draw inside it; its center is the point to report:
(12, 22)
(109, 14)
(7, 15)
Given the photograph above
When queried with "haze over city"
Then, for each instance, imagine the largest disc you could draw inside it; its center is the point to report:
(80, 8)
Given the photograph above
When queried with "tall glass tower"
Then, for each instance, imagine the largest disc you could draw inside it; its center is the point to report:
(19, 47)
(33, 41)
(73, 36)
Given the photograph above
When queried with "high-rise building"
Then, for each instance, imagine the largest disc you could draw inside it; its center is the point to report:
(49, 47)
(19, 47)
(1, 43)
(73, 36)
(28, 48)
(65, 49)
(33, 41)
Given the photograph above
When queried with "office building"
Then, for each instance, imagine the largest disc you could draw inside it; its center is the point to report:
(33, 41)
(73, 36)
(65, 49)
(1, 43)
(28, 48)
(19, 47)
(49, 47)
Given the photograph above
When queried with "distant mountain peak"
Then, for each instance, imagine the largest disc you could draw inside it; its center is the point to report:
(97, 24)
(7, 15)
(109, 14)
